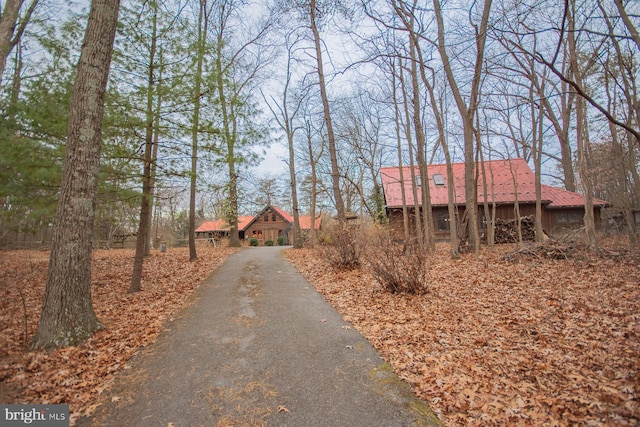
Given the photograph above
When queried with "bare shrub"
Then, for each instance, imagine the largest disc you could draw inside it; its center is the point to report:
(398, 267)
(341, 245)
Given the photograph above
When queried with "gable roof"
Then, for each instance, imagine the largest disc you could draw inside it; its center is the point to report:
(245, 221)
(305, 220)
(500, 185)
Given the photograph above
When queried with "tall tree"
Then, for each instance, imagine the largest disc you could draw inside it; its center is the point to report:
(238, 59)
(314, 157)
(335, 171)
(67, 316)
(582, 134)
(285, 116)
(195, 122)
(407, 15)
(467, 111)
(144, 226)
(558, 103)
(396, 114)
(149, 46)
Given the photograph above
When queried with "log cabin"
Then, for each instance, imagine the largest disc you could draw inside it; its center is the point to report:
(269, 224)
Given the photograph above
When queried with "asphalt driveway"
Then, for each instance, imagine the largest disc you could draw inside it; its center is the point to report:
(259, 346)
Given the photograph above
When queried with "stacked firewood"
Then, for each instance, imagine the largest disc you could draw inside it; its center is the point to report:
(549, 249)
(507, 229)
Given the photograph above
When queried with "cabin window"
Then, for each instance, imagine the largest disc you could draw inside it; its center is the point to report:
(438, 180)
(266, 218)
(273, 217)
(442, 222)
(568, 217)
(418, 180)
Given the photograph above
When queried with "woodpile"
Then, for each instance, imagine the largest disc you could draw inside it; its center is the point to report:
(507, 230)
(550, 249)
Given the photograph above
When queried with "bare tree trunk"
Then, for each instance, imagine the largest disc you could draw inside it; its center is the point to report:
(623, 195)
(537, 155)
(561, 123)
(566, 159)
(154, 162)
(419, 235)
(581, 130)
(297, 238)
(442, 137)
(405, 213)
(11, 29)
(335, 172)
(314, 186)
(67, 316)
(625, 189)
(627, 22)
(229, 138)
(489, 220)
(567, 100)
(427, 214)
(516, 204)
(415, 55)
(8, 21)
(561, 126)
(16, 84)
(536, 146)
(195, 127)
(286, 122)
(466, 113)
(144, 227)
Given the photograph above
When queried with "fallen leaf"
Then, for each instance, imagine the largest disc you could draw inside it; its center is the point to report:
(526, 343)
(78, 375)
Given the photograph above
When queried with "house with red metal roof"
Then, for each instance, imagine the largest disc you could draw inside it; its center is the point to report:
(269, 224)
(503, 182)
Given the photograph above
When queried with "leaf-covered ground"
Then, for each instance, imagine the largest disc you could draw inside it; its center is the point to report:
(539, 342)
(78, 375)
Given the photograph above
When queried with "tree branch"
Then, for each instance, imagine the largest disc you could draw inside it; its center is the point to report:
(588, 98)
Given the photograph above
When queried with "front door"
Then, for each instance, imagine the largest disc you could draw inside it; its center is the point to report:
(271, 235)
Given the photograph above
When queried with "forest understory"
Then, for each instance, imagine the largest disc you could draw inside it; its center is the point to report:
(509, 337)
(506, 337)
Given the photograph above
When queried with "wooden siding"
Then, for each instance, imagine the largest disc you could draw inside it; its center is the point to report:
(554, 221)
(268, 226)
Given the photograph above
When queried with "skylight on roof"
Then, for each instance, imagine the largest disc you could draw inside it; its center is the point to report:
(438, 180)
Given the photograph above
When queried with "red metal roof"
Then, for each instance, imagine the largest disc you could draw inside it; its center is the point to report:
(222, 225)
(501, 176)
(282, 213)
(245, 221)
(305, 220)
